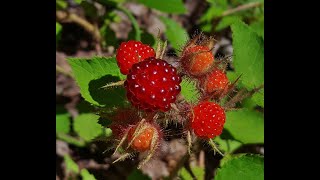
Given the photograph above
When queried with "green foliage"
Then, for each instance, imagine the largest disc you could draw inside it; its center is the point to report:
(169, 6)
(248, 59)
(258, 27)
(137, 174)
(58, 31)
(246, 126)
(189, 90)
(245, 167)
(227, 145)
(58, 28)
(86, 175)
(177, 36)
(197, 171)
(61, 4)
(78, 1)
(248, 55)
(228, 157)
(62, 123)
(87, 126)
(226, 22)
(71, 166)
(92, 74)
(258, 98)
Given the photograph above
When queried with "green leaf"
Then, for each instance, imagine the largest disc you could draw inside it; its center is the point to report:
(62, 120)
(176, 35)
(246, 167)
(78, 1)
(137, 174)
(71, 166)
(169, 6)
(211, 13)
(89, 9)
(258, 98)
(58, 31)
(258, 27)
(228, 157)
(216, 8)
(248, 55)
(109, 36)
(189, 90)
(246, 126)
(226, 22)
(92, 74)
(197, 171)
(86, 175)
(227, 145)
(248, 103)
(147, 38)
(61, 4)
(62, 123)
(58, 28)
(108, 132)
(87, 126)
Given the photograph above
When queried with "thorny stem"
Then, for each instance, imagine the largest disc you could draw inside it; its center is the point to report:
(241, 8)
(215, 148)
(242, 94)
(121, 158)
(119, 83)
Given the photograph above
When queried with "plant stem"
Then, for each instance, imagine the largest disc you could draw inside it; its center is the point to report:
(133, 21)
(59, 69)
(64, 16)
(71, 140)
(241, 8)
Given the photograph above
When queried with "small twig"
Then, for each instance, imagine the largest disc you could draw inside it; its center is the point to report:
(59, 69)
(63, 16)
(241, 8)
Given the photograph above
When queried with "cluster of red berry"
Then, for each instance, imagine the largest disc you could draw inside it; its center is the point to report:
(153, 86)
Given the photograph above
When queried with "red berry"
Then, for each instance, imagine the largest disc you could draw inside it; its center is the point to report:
(217, 80)
(208, 120)
(132, 52)
(143, 141)
(152, 85)
(197, 60)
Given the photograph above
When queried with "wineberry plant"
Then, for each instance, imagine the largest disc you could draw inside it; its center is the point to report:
(156, 103)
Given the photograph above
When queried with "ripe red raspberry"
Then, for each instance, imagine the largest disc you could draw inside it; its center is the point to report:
(208, 120)
(197, 60)
(143, 141)
(152, 85)
(216, 81)
(132, 52)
